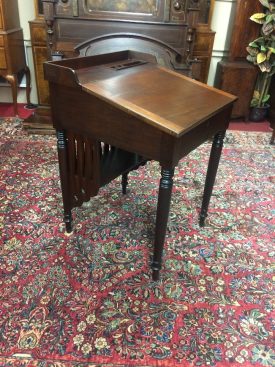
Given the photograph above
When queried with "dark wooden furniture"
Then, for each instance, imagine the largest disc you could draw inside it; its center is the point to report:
(12, 53)
(204, 38)
(237, 77)
(113, 112)
(165, 55)
(40, 122)
(172, 22)
(69, 23)
(234, 74)
(39, 50)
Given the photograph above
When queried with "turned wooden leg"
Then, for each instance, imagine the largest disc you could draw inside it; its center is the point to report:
(64, 178)
(28, 88)
(124, 182)
(12, 79)
(211, 174)
(164, 198)
(272, 136)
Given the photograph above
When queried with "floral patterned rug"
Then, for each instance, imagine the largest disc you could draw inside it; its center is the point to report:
(87, 300)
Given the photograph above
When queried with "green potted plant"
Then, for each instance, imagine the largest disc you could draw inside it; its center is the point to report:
(262, 53)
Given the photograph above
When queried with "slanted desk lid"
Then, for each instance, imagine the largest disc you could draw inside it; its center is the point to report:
(161, 97)
(132, 82)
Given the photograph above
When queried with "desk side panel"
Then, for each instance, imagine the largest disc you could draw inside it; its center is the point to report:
(75, 110)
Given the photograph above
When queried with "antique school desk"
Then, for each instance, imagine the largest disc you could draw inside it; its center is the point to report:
(113, 112)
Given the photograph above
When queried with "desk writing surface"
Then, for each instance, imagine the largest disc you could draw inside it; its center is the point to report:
(160, 97)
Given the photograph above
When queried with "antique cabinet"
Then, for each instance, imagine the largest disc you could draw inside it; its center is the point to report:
(72, 22)
(39, 49)
(170, 15)
(40, 121)
(234, 74)
(12, 53)
(67, 23)
(204, 38)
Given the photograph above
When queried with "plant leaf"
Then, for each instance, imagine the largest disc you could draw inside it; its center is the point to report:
(261, 57)
(252, 51)
(265, 3)
(251, 59)
(257, 42)
(267, 28)
(263, 49)
(254, 102)
(265, 67)
(269, 18)
(253, 45)
(258, 18)
(256, 94)
(270, 52)
(265, 98)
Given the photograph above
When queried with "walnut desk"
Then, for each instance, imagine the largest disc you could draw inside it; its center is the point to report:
(113, 112)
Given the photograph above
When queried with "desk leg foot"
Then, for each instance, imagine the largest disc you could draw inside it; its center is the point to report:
(202, 219)
(211, 174)
(124, 183)
(68, 222)
(155, 275)
(164, 198)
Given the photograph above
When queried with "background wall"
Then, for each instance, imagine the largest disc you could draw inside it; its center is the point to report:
(222, 21)
(222, 24)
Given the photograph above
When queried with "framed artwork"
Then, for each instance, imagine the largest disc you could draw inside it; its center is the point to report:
(129, 6)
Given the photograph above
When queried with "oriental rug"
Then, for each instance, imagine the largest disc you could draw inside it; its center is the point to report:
(87, 300)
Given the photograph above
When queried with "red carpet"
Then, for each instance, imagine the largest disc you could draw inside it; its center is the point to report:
(6, 110)
(87, 300)
(262, 126)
